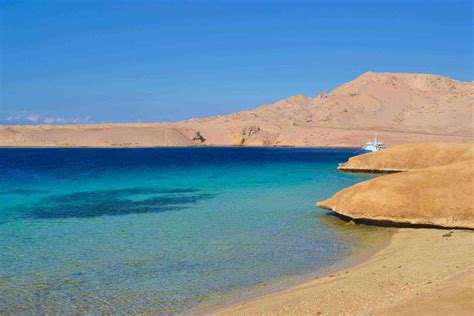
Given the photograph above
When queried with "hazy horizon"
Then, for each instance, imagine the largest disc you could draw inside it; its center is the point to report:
(94, 62)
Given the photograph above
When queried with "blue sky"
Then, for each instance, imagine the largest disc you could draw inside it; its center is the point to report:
(128, 61)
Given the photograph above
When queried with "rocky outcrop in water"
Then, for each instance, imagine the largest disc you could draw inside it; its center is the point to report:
(410, 156)
(442, 195)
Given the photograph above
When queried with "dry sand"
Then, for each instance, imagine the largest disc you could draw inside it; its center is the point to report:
(421, 272)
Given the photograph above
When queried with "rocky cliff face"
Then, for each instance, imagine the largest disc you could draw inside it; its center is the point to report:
(402, 107)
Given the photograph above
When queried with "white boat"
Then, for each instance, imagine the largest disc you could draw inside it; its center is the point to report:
(374, 145)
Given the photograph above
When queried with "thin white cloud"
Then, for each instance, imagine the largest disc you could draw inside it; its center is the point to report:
(27, 117)
(16, 116)
(49, 120)
(33, 117)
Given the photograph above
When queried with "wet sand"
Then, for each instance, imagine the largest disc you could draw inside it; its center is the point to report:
(426, 271)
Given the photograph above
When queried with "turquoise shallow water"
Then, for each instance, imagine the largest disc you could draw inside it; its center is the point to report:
(163, 230)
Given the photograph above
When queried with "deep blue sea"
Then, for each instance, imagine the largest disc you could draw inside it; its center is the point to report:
(164, 230)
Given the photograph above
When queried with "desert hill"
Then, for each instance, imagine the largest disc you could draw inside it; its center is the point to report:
(401, 107)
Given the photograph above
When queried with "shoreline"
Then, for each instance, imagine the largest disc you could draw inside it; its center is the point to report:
(172, 146)
(360, 254)
(221, 133)
(417, 264)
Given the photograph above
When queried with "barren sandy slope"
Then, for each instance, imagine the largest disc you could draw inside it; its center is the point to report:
(421, 270)
(404, 108)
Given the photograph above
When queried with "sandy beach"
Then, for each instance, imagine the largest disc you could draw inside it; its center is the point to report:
(237, 158)
(422, 271)
(427, 271)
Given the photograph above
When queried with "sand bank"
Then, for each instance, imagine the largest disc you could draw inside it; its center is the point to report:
(421, 270)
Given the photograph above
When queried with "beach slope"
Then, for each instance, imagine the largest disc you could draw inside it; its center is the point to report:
(425, 270)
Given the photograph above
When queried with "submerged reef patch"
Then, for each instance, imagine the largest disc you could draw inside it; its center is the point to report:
(115, 202)
(23, 192)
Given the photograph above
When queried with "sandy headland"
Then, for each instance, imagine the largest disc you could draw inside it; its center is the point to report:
(423, 271)
(436, 196)
(410, 157)
(403, 108)
(436, 187)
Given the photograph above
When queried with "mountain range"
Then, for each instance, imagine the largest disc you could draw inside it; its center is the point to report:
(401, 108)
